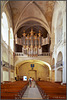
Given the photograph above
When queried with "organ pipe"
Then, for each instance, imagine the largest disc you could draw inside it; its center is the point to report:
(24, 39)
(35, 40)
(31, 37)
(39, 39)
(32, 42)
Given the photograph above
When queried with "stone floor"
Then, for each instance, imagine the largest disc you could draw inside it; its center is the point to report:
(32, 93)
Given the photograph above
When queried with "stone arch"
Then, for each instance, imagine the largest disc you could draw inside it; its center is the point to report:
(42, 63)
(32, 19)
(11, 39)
(60, 56)
(4, 27)
(53, 70)
(27, 14)
(58, 14)
(53, 63)
(37, 61)
(57, 9)
(59, 66)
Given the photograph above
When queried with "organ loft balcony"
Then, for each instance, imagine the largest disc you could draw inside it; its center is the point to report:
(32, 44)
(43, 54)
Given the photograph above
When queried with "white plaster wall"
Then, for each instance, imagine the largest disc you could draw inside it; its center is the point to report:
(19, 59)
(6, 52)
(42, 72)
(61, 46)
(12, 76)
(5, 76)
(59, 76)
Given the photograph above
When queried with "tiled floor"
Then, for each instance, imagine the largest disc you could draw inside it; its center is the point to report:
(32, 93)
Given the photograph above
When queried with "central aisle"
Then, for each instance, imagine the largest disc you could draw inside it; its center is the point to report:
(32, 93)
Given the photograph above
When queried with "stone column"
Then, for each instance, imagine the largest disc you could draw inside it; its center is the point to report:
(1, 61)
(64, 46)
(64, 63)
(55, 65)
(9, 55)
(16, 39)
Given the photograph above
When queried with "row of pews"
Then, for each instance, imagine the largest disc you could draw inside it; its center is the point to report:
(13, 90)
(51, 90)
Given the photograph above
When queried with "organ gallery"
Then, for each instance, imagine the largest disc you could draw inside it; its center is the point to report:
(32, 42)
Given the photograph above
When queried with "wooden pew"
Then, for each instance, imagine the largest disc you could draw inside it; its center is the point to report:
(13, 90)
(51, 90)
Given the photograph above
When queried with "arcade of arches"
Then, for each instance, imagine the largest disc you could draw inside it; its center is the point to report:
(33, 32)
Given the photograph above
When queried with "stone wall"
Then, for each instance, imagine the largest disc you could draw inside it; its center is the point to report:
(6, 52)
(41, 72)
(60, 46)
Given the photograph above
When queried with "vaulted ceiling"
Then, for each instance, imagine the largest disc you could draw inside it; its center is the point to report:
(29, 11)
(36, 27)
(45, 6)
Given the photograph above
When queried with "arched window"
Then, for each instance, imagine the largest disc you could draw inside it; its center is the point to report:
(4, 27)
(59, 59)
(11, 39)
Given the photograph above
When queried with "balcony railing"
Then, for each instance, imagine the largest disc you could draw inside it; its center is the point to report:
(59, 63)
(18, 54)
(6, 64)
(43, 54)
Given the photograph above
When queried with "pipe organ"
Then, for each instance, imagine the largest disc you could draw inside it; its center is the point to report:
(32, 43)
